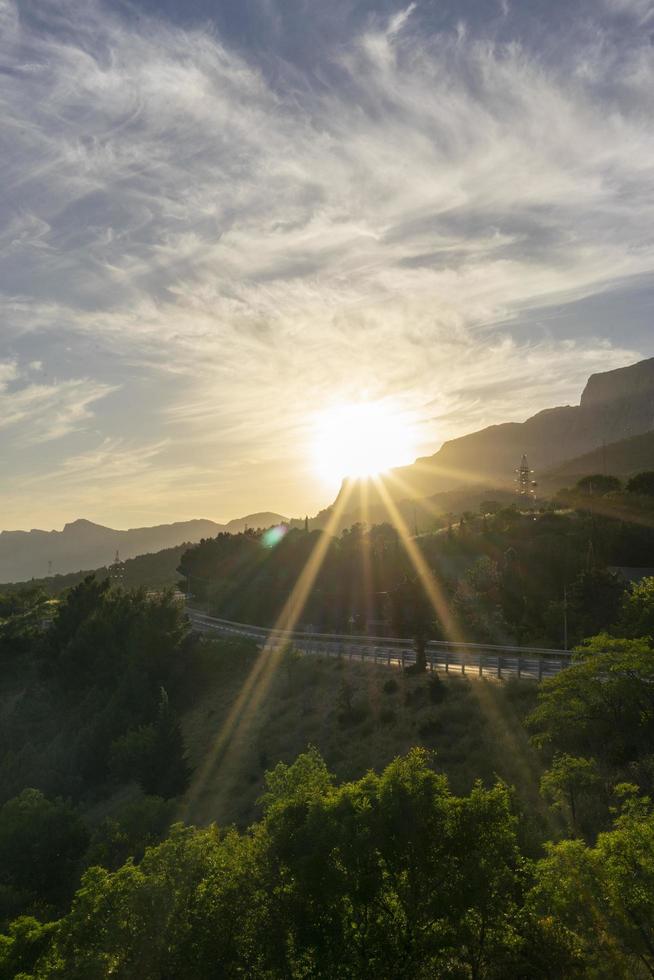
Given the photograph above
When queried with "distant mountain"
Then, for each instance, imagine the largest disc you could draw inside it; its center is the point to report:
(263, 520)
(83, 544)
(615, 405)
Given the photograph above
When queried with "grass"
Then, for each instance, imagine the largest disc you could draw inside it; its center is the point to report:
(358, 720)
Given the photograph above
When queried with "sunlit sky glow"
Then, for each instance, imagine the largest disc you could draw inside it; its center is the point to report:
(222, 219)
(361, 440)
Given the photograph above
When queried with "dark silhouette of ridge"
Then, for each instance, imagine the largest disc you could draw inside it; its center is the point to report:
(615, 405)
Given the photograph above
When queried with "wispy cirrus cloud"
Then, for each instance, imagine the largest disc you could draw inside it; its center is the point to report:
(33, 412)
(243, 243)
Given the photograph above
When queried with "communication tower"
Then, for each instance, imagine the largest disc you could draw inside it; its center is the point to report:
(526, 486)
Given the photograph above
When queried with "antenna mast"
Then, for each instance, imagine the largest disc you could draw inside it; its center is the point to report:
(526, 486)
(116, 571)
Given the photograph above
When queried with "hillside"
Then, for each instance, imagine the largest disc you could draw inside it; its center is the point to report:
(85, 545)
(614, 406)
(622, 459)
(138, 759)
(474, 726)
(419, 514)
(153, 572)
(263, 519)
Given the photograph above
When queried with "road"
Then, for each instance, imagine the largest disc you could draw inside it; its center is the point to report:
(464, 658)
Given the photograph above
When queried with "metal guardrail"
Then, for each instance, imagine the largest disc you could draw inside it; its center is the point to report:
(484, 659)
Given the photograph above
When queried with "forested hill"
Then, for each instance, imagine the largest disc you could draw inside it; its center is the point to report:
(493, 857)
(153, 572)
(501, 572)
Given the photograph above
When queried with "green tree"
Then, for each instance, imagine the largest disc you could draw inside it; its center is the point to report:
(41, 846)
(604, 896)
(602, 706)
(597, 485)
(154, 754)
(593, 602)
(391, 875)
(25, 943)
(136, 920)
(21, 615)
(642, 483)
(477, 602)
(637, 611)
(127, 833)
(572, 786)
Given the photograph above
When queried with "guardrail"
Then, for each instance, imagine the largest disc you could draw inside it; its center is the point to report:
(484, 659)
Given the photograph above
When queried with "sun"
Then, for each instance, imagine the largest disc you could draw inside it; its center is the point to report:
(362, 439)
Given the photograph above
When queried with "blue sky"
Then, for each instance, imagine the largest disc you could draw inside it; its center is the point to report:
(220, 218)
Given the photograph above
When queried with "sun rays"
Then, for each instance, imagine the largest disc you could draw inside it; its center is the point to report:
(362, 440)
(230, 739)
(427, 579)
(235, 727)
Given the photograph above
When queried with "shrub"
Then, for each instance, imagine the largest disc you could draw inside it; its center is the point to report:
(437, 690)
(430, 728)
(390, 686)
(351, 713)
(354, 715)
(387, 716)
(415, 698)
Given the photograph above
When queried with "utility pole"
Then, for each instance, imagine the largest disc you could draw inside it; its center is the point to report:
(565, 618)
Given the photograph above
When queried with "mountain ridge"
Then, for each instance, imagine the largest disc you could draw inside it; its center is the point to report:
(614, 405)
(84, 544)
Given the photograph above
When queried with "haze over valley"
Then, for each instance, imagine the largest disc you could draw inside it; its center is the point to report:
(613, 426)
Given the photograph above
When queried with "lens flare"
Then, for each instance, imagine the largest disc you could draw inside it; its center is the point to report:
(273, 535)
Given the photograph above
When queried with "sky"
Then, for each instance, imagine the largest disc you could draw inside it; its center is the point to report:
(220, 218)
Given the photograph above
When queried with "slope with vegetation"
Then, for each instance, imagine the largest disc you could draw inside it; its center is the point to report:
(437, 826)
(505, 575)
(154, 572)
(624, 459)
(359, 716)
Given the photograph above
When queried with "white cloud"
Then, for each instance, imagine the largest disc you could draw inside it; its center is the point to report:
(256, 250)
